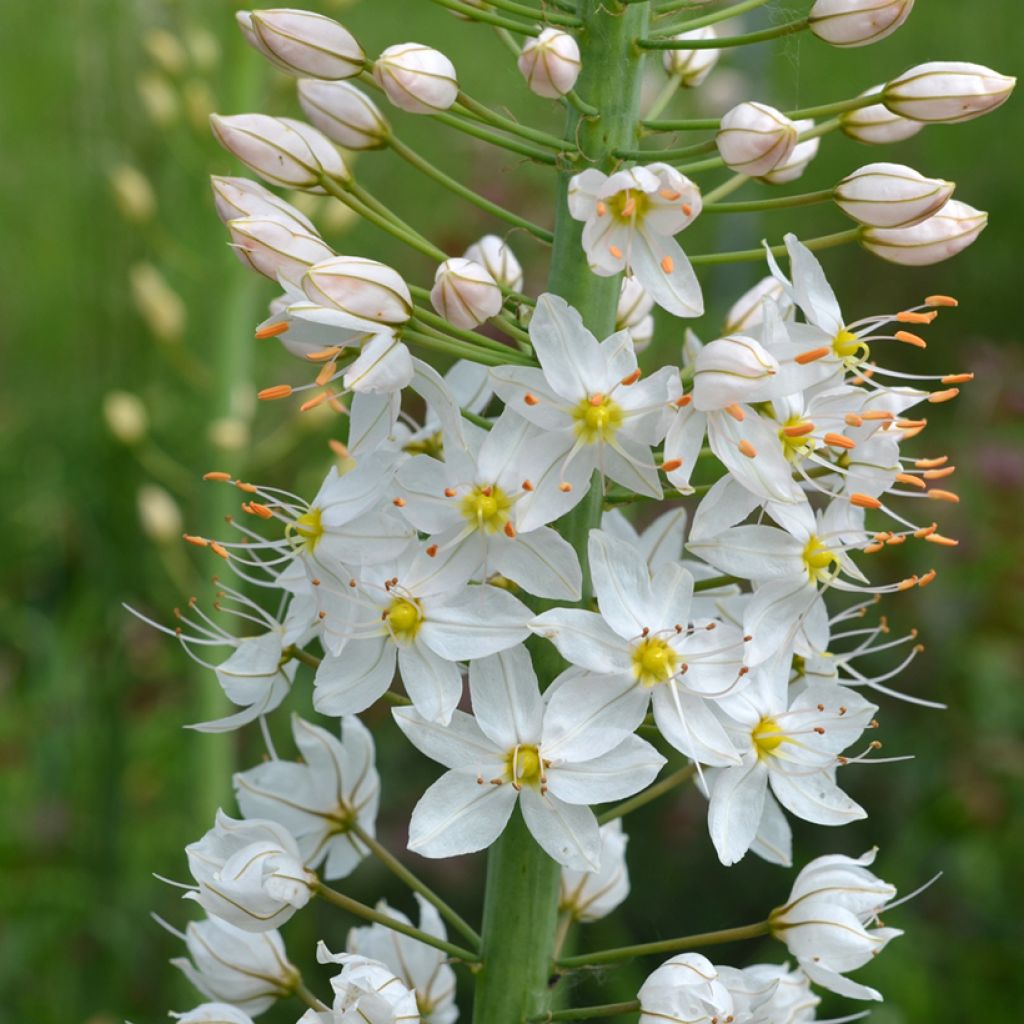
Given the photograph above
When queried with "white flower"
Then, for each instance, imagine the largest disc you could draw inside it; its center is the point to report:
(748, 310)
(249, 873)
(550, 757)
(633, 312)
(464, 293)
(940, 237)
(875, 125)
(213, 1013)
(591, 895)
(770, 994)
(419, 967)
(498, 259)
(476, 499)
(368, 292)
(598, 414)
(883, 195)
(303, 42)
(242, 197)
(686, 988)
(947, 92)
(692, 66)
(550, 63)
(825, 922)
(857, 22)
(791, 742)
(249, 970)
(419, 611)
(796, 163)
(275, 248)
(320, 799)
(344, 113)
(630, 220)
(754, 138)
(645, 651)
(365, 991)
(416, 78)
(660, 542)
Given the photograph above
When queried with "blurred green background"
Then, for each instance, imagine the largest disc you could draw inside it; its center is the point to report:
(128, 370)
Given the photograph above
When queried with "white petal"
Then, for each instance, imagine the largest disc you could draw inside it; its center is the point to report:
(631, 465)
(567, 833)
(752, 553)
(480, 620)
(737, 800)
(689, 724)
(584, 638)
(683, 442)
(774, 839)
(433, 684)
(458, 815)
(383, 365)
(543, 463)
(513, 383)
(815, 797)
(567, 351)
(620, 772)
(541, 562)
(506, 698)
(351, 681)
(622, 584)
(676, 289)
(725, 505)
(460, 745)
(811, 289)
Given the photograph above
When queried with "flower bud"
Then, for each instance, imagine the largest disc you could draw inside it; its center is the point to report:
(941, 236)
(755, 138)
(891, 195)
(241, 197)
(133, 193)
(634, 304)
(416, 78)
(550, 63)
(692, 66)
(591, 895)
(279, 150)
(277, 250)
(159, 514)
(947, 92)
(368, 292)
(729, 370)
(796, 163)
(857, 22)
(213, 1013)
(748, 310)
(125, 416)
(495, 256)
(464, 293)
(162, 308)
(875, 125)
(343, 114)
(303, 43)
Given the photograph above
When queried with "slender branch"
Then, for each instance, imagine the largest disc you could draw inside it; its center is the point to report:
(678, 153)
(608, 956)
(724, 42)
(777, 203)
(479, 14)
(438, 323)
(588, 1012)
(485, 135)
(480, 421)
(687, 124)
(706, 19)
(344, 902)
(714, 582)
(565, 922)
(509, 42)
(677, 778)
(460, 350)
(662, 100)
(537, 14)
(574, 99)
(749, 255)
(308, 997)
(397, 868)
(727, 187)
(469, 106)
(799, 114)
(293, 653)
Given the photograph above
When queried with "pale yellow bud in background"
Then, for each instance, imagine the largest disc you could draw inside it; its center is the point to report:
(133, 193)
(157, 303)
(159, 515)
(125, 416)
(165, 50)
(158, 99)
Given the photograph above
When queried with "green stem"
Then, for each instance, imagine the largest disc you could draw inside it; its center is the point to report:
(707, 19)
(714, 582)
(485, 135)
(777, 203)
(460, 350)
(678, 153)
(479, 14)
(397, 868)
(750, 255)
(468, 105)
(344, 902)
(450, 330)
(537, 14)
(589, 1012)
(664, 98)
(724, 42)
(609, 956)
(308, 997)
(677, 778)
(727, 188)
(521, 898)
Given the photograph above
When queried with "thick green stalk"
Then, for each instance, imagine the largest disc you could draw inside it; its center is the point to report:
(521, 898)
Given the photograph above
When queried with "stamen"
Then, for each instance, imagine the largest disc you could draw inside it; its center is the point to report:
(799, 429)
(931, 463)
(219, 549)
(913, 481)
(938, 474)
(449, 492)
(272, 330)
(943, 396)
(671, 465)
(746, 448)
(941, 300)
(927, 578)
(669, 195)
(510, 531)
(324, 355)
(219, 477)
(398, 502)
(277, 391)
(851, 419)
(531, 399)
(811, 354)
(944, 496)
(312, 403)
(432, 551)
(631, 379)
(683, 401)
(687, 209)
(338, 448)
(601, 209)
(736, 412)
(910, 339)
(908, 317)
(565, 487)
(327, 372)
(864, 501)
(667, 264)
(946, 542)
(527, 486)
(615, 251)
(926, 531)
(839, 441)
(956, 378)
(629, 207)
(199, 542)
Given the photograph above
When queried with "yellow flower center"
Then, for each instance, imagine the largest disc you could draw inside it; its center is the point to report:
(487, 507)
(654, 661)
(309, 528)
(847, 346)
(404, 618)
(767, 736)
(597, 418)
(523, 766)
(795, 435)
(629, 206)
(432, 446)
(818, 559)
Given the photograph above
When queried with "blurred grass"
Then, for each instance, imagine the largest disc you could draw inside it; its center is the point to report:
(100, 786)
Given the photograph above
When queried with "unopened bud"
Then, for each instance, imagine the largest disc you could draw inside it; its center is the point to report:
(280, 150)
(132, 193)
(876, 125)
(634, 304)
(125, 416)
(550, 63)
(796, 163)
(498, 260)
(280, 251)
(857, 22)
(947, 92)
(692, 66)
(159, 514)
(165, 50)
(464, 293)
(938, 238)
(416, 78)
(885, 195)
(754, 138)
(159, 99)
(158, 304)
(365, 290)
(748, 310)
(730, 370)
(303, 43)
(242, 197)
(344, 114)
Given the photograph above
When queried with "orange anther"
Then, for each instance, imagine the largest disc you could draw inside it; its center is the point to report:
(220, 477)
(669, 195)
(432, 550)
(531, 399)
(219, 549)
(927, 578)
(629, 207)
(667, 264)
(258, 509)
(943, 396)
(864, 501)
(946, 542)
(601, 209)
(272, 330)
(939, 474)
(931, 463)
(851, 419)
(327, 371)
(596, 400)
(683, 401)
(199, 542)
(910, 424)
(615, 251)
(941, 300)
(957, 378)
(527, 486)
(893, 540)
(839, 441)
(631, 379)
(510, 531)
(798, 429)
(876, 414)
(736, 412)
(908, 583)
(277, 391)
(908, 317)
(398, 502)
(913, 481)
(565, 487)
(338, 448)
(926, 531)
(671, 465)
(312, 403)
(910, 339)
(339, 407)
(912, 432)
(811, 354)
(746, 448)
(687, 210)
(449, 492)
(248, 488)
(324, 353)
(872, 548)
(944, 495)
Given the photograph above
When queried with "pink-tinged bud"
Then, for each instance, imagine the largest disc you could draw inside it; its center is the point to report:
(464, 293)
(303, 43)
(755, 138)
(857, 22)
(729, 370)
(885, 195)
(875, 125)
(281, 151)
(938, 238)
(748, 310)
(495, 256)
(364, 289)
(796, 163)
(550, 63)
(276, 249)
(416, 78)
(634, 304)
(692, 66)
(344, 114)
(242, 197)
(947, 92)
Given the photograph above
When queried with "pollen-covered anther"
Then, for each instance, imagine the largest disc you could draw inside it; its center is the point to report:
(799, 429)
(324, 355)
(272, 393)
(242, 485)
(671, 465)
(669, 195)
(667, 264)
(926, 531)
(631, 379)
(602, 209)
(312, 403)
(896, 539)
(931, 463)
(683, 401)
(531, 399)
(877, 414)
(910, 339)
(943, 396)
(851, 419)
(811, 355)
(219, 477)
(565, 487)
(908, 584)
(449, 492)
(938, 474)
(527, 486)
(199, 542)
(272, 330)
(864, 500)
(911, 424)
(840, 441)
(327, 372)
(432, 550)
(736, 412)
(913, 481)
(939, 495)
(941, 300)
(258, 509)
(509, 530)
(910, 317)
(629, 207)
(687, 209)
(957, 378)
(927, 578)
(746, 448)
(946, 542)
(873, 548)
(398, 502)
(219, 550)
(615, 251)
